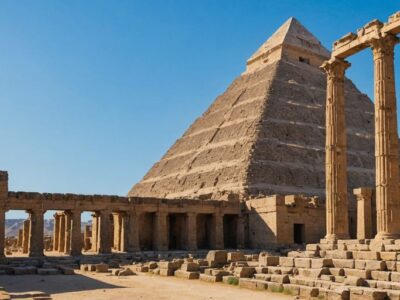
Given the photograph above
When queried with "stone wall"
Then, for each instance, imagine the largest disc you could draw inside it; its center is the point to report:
(274, 220)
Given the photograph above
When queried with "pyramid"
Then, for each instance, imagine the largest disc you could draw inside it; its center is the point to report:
(266, 133)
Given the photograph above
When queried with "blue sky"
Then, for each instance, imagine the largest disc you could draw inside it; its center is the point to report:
(92, 93)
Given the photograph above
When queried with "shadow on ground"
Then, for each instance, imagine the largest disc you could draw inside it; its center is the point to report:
(52, 284)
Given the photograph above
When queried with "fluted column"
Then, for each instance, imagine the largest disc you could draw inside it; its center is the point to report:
(36, 232)
(386, 139)
(76, 233)
(337, 223)
(2, 231)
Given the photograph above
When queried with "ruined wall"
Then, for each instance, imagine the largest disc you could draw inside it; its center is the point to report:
(272, 220)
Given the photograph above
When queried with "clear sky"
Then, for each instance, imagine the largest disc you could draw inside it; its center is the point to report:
(92, 93)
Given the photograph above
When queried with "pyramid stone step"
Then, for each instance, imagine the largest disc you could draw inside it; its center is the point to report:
(279, 278)
(354, 281)
(338, 254)
(381, 275)
(366, 255)
(343, 263)
(317, 263)
(264, 277)
(366, 274)
(373, 265)
(337, 271)
(286, 261)
(253, 284)
(313, 273)
(302, 262)
(334, 294)
(280, 270)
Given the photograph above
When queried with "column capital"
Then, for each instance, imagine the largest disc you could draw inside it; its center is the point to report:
(383, 46)
(363, 192)
(335, 67)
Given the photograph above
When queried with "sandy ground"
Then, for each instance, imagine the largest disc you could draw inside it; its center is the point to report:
(144, 287)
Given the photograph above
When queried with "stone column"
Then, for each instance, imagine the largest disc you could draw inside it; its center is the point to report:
(117, 221)
(386, 139)
(56, 232)
(161, 233)
(68, 221)
(87, 237)
(337, 207)
(76, 233)
(61, 235)
(104, 232)
(25, 236)
(95, 232)
(124, 236)
(2, 231)
(191, 231)
(364, 212)
(218, 234)
(133, 232)
(36, 233)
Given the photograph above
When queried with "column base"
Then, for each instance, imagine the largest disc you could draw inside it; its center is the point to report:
(36, 254)
(387, 236)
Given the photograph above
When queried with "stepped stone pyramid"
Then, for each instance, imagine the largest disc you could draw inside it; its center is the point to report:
(266, 133)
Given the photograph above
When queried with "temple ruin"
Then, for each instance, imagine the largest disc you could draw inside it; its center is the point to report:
(251, 181)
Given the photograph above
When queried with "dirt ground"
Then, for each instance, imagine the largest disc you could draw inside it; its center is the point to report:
(145, 287)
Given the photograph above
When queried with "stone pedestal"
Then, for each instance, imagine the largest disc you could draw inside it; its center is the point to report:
(337, 223)
(36, 233)
(76, 233)
(191, 231)
(161, 233)
(364, 213)
(386, 139)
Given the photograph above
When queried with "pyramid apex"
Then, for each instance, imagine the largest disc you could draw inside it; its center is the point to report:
(291, 41)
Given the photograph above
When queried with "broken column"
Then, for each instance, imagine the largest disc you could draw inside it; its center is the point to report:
(386, 139)
(364, 212)
(76, 233)
(337, 224)
(36, 232)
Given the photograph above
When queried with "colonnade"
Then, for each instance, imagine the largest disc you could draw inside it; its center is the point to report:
(381, 38)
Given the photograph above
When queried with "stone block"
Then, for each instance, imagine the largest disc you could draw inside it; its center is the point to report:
(261, 270)
(265, 277)
(337, 254)
(388, 255)
(317, 263)
(343, 263)
(216, 258)
(66, 270)
(169, 265)
(307, 292)
(380, 275)
(235, 256)
(209, 278)
(126, 272)
(395, 276)
(366, 274)
(286, 261)
(313, 273)
(167, 272)
(393, 295)
(101, 268)
(275, 287)
(391, 265)
(337, 271)
(244, 272)
(190, 267)
(375, 265)
(364, 293)
(24, 270)
(187, 274)
(366, 255)
(385, 285)
(265, 260)
(354, 281)
(49, 271)
(312, 247)
(280, 278)
(302, 262)
(253, 284)
(359, 264)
